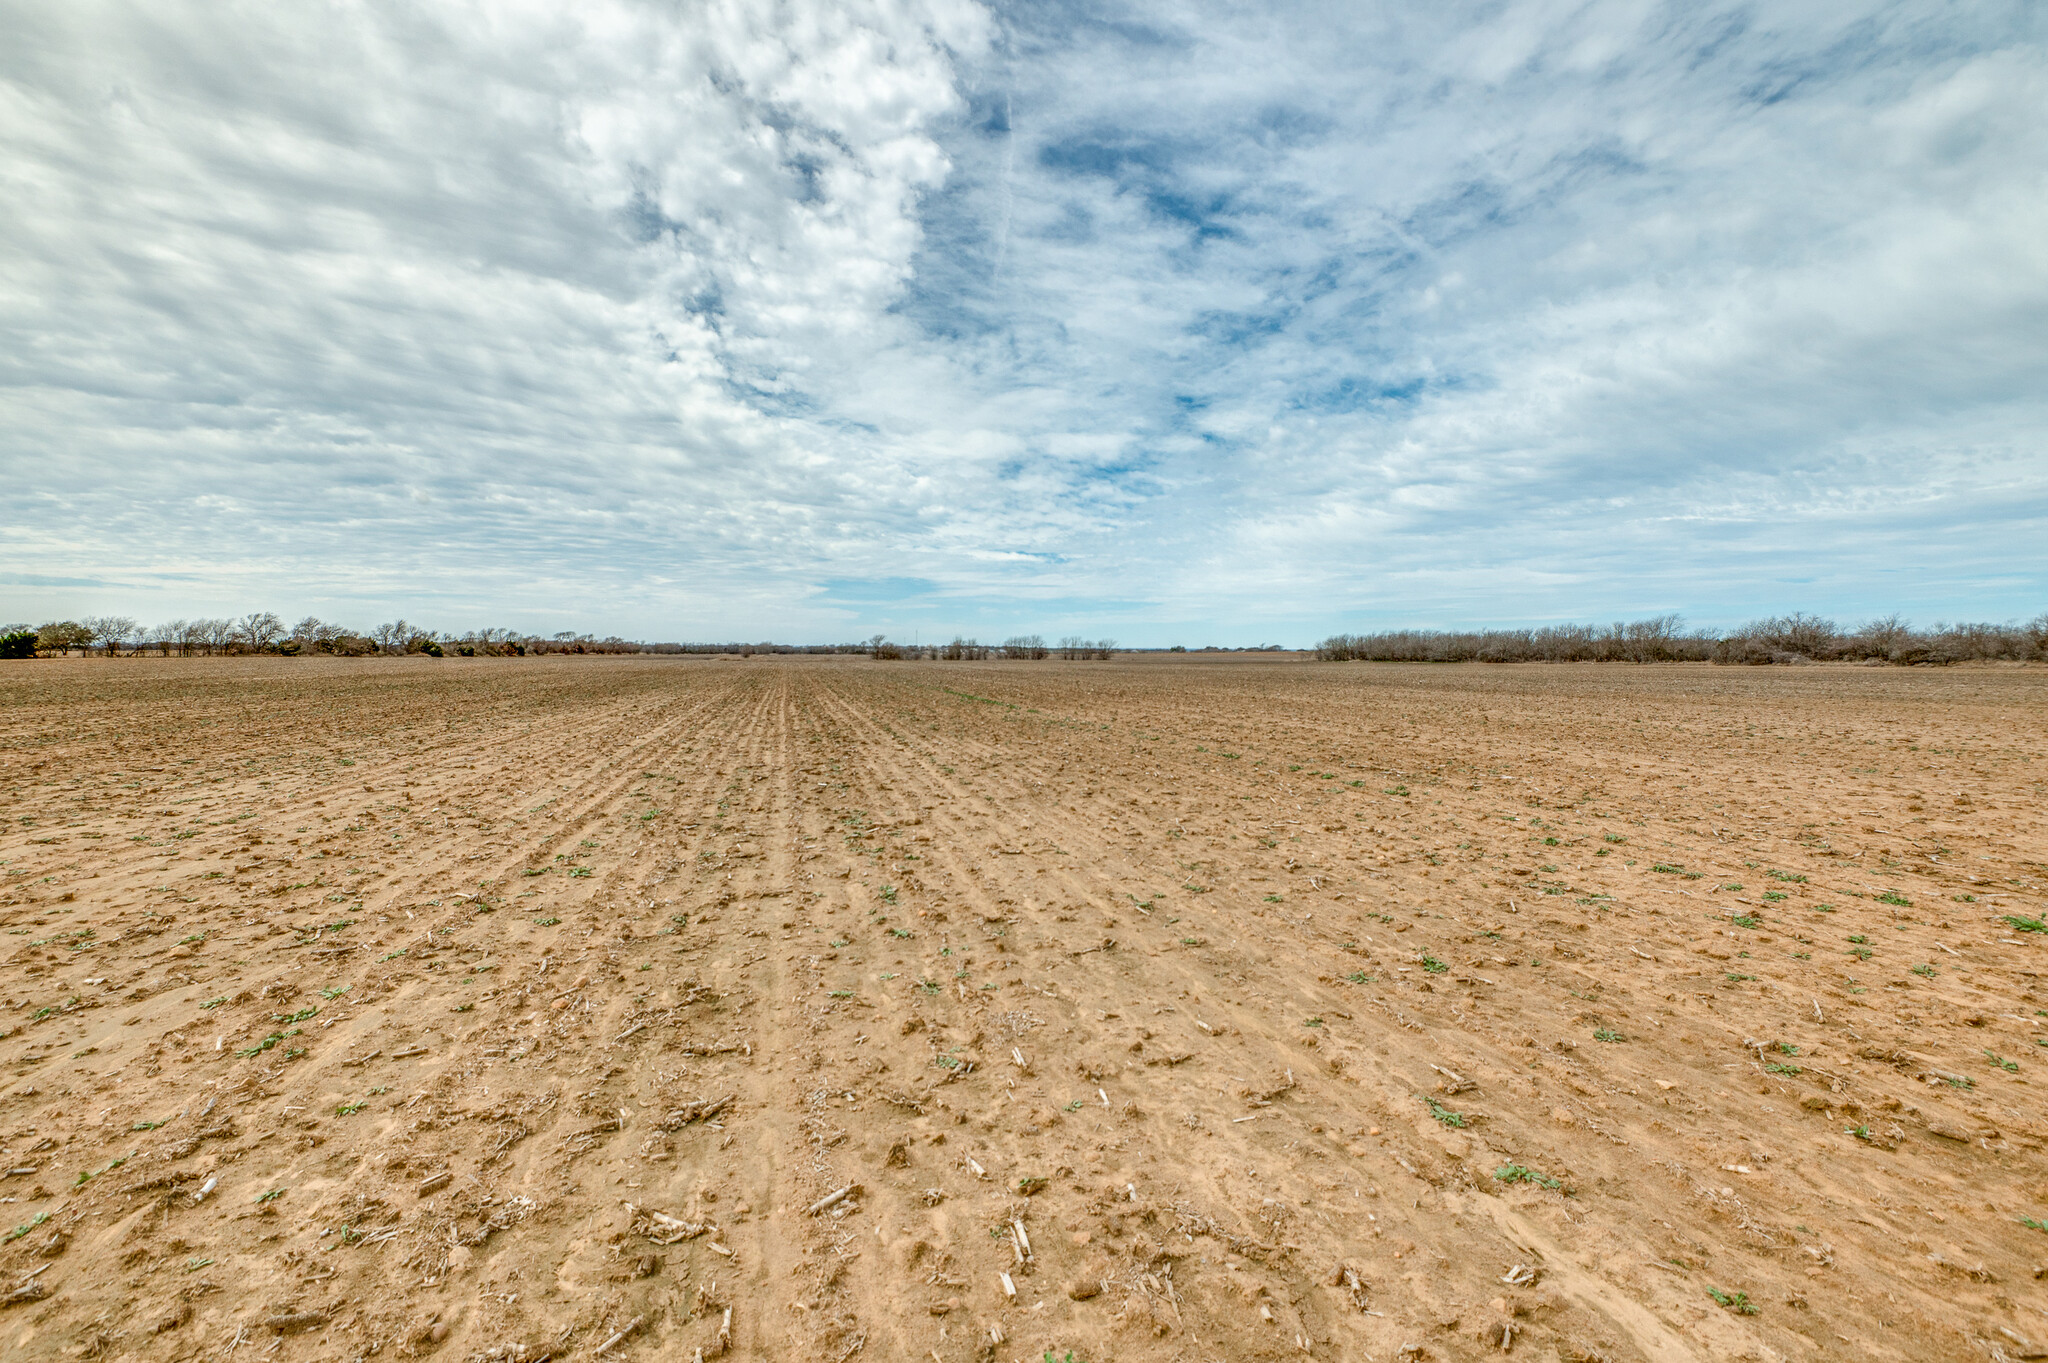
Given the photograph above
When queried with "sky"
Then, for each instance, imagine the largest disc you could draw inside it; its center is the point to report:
(1162, 322)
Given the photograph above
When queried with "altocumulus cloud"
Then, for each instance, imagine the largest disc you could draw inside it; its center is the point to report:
(805, 319)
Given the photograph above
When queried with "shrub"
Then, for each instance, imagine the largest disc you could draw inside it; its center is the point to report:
(1658, 639)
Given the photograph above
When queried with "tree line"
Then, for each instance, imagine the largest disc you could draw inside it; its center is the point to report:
(1780, 639)
(264, 632)
(1019, 646)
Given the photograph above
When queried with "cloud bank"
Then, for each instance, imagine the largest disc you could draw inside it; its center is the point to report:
(1171, 322)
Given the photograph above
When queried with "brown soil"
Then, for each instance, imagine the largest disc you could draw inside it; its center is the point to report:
(489, 1009)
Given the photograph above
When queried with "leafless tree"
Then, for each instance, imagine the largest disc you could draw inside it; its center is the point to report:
(396, 636)
(109, 631)
(260, 630)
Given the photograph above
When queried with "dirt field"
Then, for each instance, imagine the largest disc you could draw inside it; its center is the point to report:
(1233, 1009)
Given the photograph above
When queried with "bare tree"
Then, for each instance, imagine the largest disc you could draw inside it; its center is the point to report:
(1884, 637)
(218, 633)
(1644, 641)
(260, 630)
(108, 631)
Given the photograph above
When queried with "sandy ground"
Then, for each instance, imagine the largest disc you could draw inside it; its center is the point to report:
(835, 1010)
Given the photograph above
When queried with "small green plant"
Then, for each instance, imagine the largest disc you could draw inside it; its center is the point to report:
(1894, 897)
(25, 1227)
(1773, 895)
(87, 1176)
(1613, 838)
(1861, 1133)
(1273, 899)
(215, 1003)
(1074, 1106)
(1359, 977)
(2010, 1066)
(1773, 1067)
(2018, 924)
(1743, 920)
(349, 1109)
(842, 993)
(299, 1016)
(1786, 876)
(271, 1196)
(267, 1042)
(1444, 1114)
(1925, 969)
(889, 895)
(145, 1126)
(1734, 978)
(1737, 1302)
(335, 992)
(2032, 1223)
(1315, 1021)
(1433, 965)
(1395, 790)
(901, 933)
(1608, 1034)
(1517, 1173)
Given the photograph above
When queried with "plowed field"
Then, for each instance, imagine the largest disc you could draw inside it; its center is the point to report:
(841, 1010)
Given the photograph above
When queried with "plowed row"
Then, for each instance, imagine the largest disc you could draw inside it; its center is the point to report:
(510, 1009)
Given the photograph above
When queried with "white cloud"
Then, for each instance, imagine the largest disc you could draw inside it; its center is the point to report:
(675, 320)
